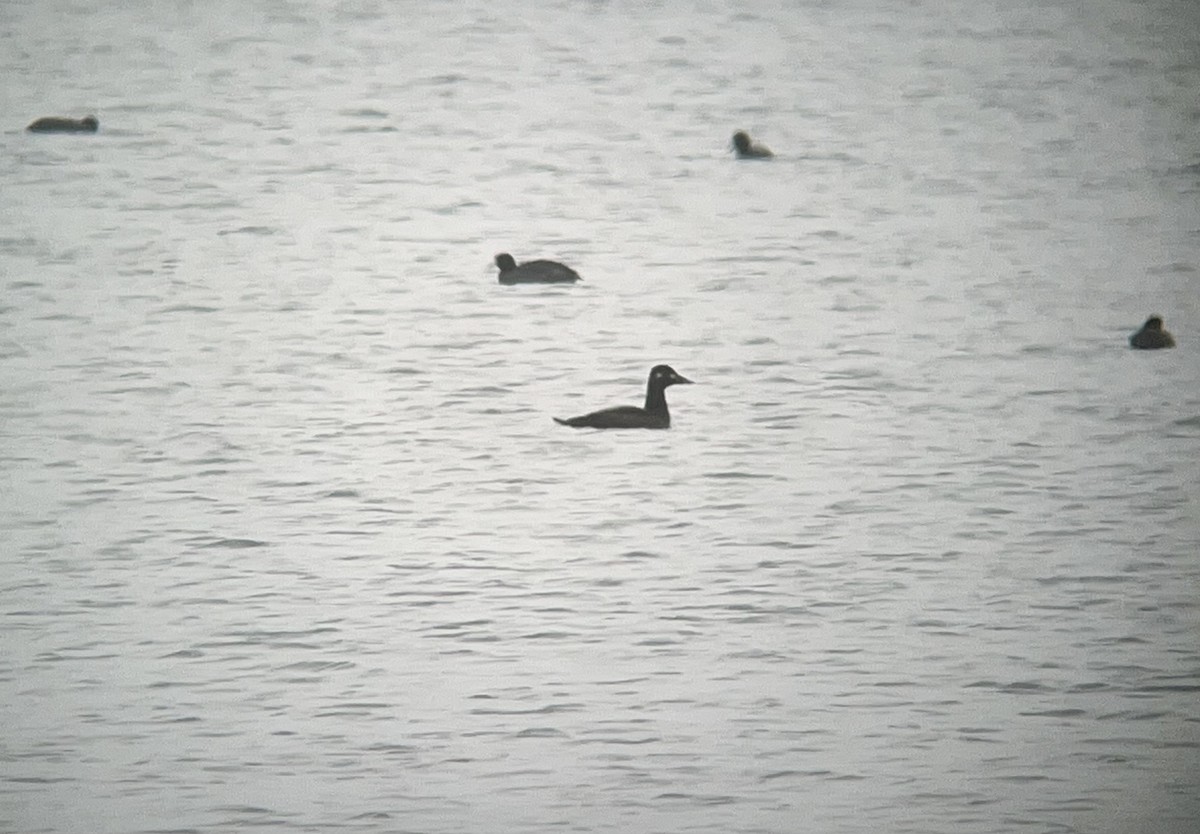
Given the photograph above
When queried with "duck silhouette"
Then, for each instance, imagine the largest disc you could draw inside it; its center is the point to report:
(58, 124)
(654, 415)
(534, 272)
(1152, 336)
(747, 149)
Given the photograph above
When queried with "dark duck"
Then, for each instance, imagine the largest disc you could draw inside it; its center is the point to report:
(1152, 336)
(58, 124)
(747, 149)
(653, 416)
(534, 272)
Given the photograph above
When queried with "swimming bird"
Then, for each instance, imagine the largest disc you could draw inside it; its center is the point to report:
(747, 149)
(58, 124)
(653, 416)
(534, 272)
(1152, 336)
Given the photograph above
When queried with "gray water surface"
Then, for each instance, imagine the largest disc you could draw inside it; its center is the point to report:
(290, 542)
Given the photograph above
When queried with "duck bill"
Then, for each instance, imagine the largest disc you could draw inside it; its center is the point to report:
(682, 379)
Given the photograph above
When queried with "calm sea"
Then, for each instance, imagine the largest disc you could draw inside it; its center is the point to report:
(289, 541)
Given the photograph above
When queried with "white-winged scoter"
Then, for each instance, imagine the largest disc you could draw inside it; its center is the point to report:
(653, 416)
(1152, 336)
(747, 149)
(534, 272)
(58, 124)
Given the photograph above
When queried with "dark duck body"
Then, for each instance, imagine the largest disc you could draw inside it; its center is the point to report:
(747, 149)
(58, 124)
(653, 416)
(534, 272)
(1152, 336)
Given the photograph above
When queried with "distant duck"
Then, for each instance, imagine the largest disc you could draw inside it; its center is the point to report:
(1152, 336)
(653, 416)
(534, 272)
(58, 124)
(746, 149)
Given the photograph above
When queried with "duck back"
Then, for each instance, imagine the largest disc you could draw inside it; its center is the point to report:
(57, 124)
(619, 417)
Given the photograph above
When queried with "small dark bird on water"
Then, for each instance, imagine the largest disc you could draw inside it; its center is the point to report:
(58, 124)
(534, 272)
(1152, 336)
(746, 149)
(653, 416)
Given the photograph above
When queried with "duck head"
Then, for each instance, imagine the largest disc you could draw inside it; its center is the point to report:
(664, 376)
